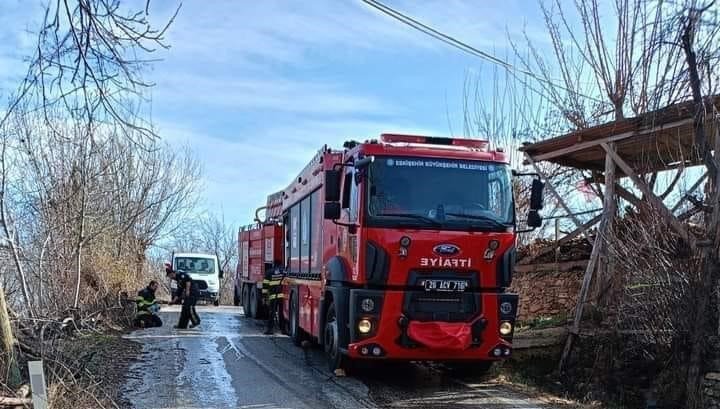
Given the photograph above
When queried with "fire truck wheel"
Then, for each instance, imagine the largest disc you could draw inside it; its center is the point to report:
(254, 301)
(294, 326)
(335, 358)
(246, 300)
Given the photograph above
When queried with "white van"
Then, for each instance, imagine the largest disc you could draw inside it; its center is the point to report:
(201, 267)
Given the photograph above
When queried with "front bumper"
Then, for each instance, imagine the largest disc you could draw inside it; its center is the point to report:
(208, 295)
(391, 317)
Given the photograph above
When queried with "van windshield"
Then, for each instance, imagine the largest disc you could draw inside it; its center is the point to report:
(195, 265)
(439, 193)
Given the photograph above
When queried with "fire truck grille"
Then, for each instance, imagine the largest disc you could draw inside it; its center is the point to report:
(425, 303)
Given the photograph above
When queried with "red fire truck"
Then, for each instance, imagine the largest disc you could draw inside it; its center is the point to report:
(259, 248)
(399, 248)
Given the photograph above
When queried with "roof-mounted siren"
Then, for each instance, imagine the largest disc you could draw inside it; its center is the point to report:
(435, 140)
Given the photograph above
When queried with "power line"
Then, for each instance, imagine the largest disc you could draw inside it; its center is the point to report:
(453, 42)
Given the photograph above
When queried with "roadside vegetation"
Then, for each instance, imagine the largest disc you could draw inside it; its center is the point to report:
(92, 199)
(87, 187)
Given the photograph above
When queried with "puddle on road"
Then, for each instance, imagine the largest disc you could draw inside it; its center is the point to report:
(181, 368)
(205, 376)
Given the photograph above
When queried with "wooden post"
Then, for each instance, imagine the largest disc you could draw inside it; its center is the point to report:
(607, 264)
(606, 219)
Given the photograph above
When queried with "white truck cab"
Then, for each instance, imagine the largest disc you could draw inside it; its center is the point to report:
(201, 267)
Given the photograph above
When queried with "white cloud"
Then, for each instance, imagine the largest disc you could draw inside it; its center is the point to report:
(277, 94)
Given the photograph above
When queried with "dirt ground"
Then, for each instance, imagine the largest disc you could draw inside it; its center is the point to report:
(103, 361)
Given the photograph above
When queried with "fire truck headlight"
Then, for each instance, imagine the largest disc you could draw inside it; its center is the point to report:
(505, 328)
(367, 304)
(493, 245)
(364, 326)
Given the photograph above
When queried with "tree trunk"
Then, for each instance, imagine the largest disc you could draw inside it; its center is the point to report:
(81, 239)
(706, 281)
(10, 372)
(9, 237)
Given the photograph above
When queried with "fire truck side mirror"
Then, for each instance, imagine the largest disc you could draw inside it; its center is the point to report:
(536, 195)
(534, 219)
(332, 210)
(332, 185)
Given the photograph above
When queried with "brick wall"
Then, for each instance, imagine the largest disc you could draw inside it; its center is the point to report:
(547, 290)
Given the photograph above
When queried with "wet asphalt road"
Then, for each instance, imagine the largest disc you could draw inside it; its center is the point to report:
(228, 363)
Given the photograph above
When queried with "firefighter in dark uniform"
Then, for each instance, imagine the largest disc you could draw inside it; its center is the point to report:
(147, 307)
(272, 291)
(188, 292)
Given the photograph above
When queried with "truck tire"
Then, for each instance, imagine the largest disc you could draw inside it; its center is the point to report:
(246, 300)
(236, 299)
(216, 302)
(296, 333)
(254, 302)
(335, 358)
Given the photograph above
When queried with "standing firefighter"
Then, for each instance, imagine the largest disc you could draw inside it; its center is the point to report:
(188, 292)
(147, 307)
(272, 290)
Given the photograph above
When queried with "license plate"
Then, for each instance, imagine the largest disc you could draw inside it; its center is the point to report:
(445, 285)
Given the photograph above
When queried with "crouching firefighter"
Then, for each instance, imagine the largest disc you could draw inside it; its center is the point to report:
(147, 307)
(187, 292)
(272, 291)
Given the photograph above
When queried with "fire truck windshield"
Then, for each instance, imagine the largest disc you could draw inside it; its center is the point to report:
(439, 193)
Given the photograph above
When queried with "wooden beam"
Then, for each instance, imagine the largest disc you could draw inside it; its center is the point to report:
(562, 267)
(598, 142)
(575, 329)
(628, 196)
(607, 261)
(692, 189)
(605, 228)
(578, 231)
(651, 197)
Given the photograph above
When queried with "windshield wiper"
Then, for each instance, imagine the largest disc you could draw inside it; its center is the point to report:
(492, 221)
(413, 216)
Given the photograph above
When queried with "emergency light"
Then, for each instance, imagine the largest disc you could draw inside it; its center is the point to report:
(434, 140)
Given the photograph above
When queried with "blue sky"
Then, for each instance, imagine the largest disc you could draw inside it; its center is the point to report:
(255, 88)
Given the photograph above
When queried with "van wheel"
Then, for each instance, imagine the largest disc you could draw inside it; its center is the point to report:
(246, 300)
(331, 342)
(254, 302)
(216, 303)
(296, 334)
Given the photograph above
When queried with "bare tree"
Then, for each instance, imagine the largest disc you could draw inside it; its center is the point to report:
(209, 233)
(701, 50)
(86, 187)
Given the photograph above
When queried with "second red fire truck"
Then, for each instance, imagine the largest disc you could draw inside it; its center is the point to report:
(399, 248)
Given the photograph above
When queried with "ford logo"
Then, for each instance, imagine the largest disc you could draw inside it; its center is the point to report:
(446, 249)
